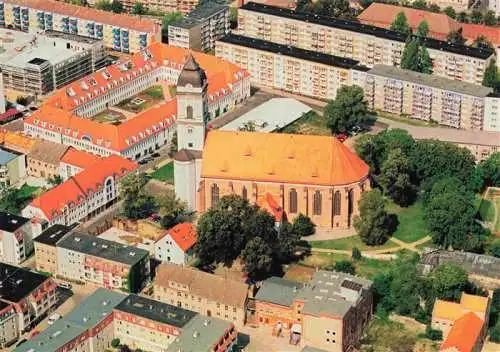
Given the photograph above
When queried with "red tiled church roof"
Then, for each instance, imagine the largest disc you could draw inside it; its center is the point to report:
(464, 334)
(72, 191)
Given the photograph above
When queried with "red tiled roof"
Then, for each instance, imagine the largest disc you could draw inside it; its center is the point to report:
(464, 333)
(472, 31)
(269, 203)
(79, 158)
(184, 235)
(72, 191)
(137, 23)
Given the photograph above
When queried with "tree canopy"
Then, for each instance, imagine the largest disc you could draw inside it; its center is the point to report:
(491, 77)
(400, 24)
(330, 8)
(139, 9)
(168, 19)
(349, 109)
(115, 6)
(303, 226)
(416, 56)
(422, 29)
(396, 179)
(373, 224)
(172, 210)
(449, 281)
(456, 37)
(137, 204)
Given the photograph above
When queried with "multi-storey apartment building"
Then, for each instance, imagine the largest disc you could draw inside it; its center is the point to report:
(46, 247)
(424, 97)
(207, 294)
(139, 322)
(367, 44)
(65, 116)
(83, 195)
(92, 259)
(40, 63)
(329, 312)
(492, 112)
(200, 29)
(119, 32)
(290, 69)
(16, 238)
(183, 6)
(25, 298)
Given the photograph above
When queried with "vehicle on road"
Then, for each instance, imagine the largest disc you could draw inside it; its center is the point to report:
(65, 285)
(53, 318)
(341, 137)
(155, 155)
(142, 162)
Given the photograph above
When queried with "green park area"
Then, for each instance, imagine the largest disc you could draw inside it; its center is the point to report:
(14, 200)
(411, 222)
(165, 173)
(348, 243)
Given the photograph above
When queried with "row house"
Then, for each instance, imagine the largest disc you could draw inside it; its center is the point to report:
(120, 32)
(367, 44)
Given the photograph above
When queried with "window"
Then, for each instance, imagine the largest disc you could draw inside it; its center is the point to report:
(336, 203)
(215, 194)
(244, 194)
(292, 206)
(189, 112)
(317, 203)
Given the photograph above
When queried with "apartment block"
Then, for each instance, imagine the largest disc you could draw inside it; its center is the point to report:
(183, 6)
(424, 97)
(81, 257)
(139, 322)
(12, 168)
(25, 298)
(125, 33)
(492, 112)
(329, 312)
(207, 294)
(44, 159)
(457, 5)
(290, 69)
(16, 238)
(46, 247)
(201, 28)
(367, 44)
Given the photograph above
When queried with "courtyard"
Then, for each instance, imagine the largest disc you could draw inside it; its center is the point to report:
(144, 100)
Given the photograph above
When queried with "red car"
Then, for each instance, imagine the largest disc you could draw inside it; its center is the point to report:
(341, 137)
(34, 333)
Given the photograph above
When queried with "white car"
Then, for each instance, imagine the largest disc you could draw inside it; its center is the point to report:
(53, 318)
(65, 285)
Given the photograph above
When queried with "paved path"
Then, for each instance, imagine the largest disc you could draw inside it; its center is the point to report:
(383, 254)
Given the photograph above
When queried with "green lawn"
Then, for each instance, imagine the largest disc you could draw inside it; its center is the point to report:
(497, 205)
(165, 173)
(155, 92)
(309, 123)
(404, 119)
(26, 191)
(487, 210)
(348, 243)
(412, 226)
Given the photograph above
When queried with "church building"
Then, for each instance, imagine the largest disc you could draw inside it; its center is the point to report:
(314, 175)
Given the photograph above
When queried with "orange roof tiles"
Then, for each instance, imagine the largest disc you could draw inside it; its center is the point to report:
(464, 334)
(137, 23)
(18, 142)
(269, 203)
(382, 15)
(446, 310)
(79, 158)
(78, 187)
(276, 157)
(184, 235)
(474, 303)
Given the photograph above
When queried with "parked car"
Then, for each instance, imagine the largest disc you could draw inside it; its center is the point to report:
(34, 333)
(53, 318)
(21, 342)
(155, 155)
(66, 285)
(341, 137)
(142, 162)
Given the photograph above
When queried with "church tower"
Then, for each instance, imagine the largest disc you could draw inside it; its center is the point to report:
(192, 106)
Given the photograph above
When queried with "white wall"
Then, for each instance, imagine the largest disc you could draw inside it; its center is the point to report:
(492, 114)
(167, 250)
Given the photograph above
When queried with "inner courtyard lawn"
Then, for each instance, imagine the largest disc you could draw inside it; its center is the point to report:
(412, 226)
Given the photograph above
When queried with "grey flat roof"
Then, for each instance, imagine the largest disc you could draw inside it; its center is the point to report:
(6, 156)
(326, 293)
(278, 291)
(200, 335)
(102, 248)
(430, 80)
(11, 222)
(53, 234)
(272, 115)
(201, 13)
(85, 316)
(18, 282)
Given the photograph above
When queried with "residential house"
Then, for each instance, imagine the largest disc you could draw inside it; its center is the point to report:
(177, 245)
(12, 168)
(75, 161)
(16, 238)
(46, 247)
(44, 158)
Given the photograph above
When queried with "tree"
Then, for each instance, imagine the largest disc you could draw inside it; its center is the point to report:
(288, 243)
(422, 29)
(434, 8)
(405, 288)
(172, 210)
(356, 254)
(494, 249)
(495, 333)
(349, 109)
(449, 281)
(400, 24)
(495, 310)
(482, 42)
(476, 17)
(456, 37)
(373, 224)
(115, 342)
(303, 226)
(330, 8)
(488, 172)
(258, 259)
(114, 6)
(125, 348)
(463, 17)
(425, 61)
(410, 58)
(450, 11)
(173, 145)
(419, 4)
(117, 6)
(345, 266)
(168, 19)
(489, 18)
(55, 180)
(491, 77)
(433, 334)
(14, 200)
(137, 204)
(139, 9)
(395, 178)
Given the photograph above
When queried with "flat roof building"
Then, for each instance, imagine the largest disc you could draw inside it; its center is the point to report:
(16, 237)
(37, 63)
(46, 247)
(199, 30)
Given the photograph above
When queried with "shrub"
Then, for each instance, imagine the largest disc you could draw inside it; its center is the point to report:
(303, 226)
(433, 334)
(345, 266)
(356, 254)
(115, 343)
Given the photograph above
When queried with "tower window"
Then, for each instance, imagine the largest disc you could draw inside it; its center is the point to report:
(292, 206)
(215, 194)
(189, 112)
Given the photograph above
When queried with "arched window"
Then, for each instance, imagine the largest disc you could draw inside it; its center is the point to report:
(292, 206)
(244, 193)
(336, 203)
(317, 203)
(189, 112)
(215, 194)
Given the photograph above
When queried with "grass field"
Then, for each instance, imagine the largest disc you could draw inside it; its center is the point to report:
(487, 210)
(309, 123)
(165, 173)
(348, 243)
(412, 226)
(407, 120)
(155, 92)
